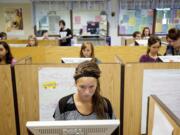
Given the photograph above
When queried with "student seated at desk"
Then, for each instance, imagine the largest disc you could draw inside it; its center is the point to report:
(146, 33)
(86, 103)
(87, 51)
(5, 54)
(136, 36)
(32, 41)
(173, 39)
(154, 43)
(3, 36)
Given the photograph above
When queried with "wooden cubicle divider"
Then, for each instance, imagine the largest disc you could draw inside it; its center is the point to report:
(40, 42)
(7, 111)
(133, 87)
(106, 54)
(133, 53)
(28, 94)
(53, 55)
(129, 41)
(37, 53)
(25, 60)
(170, 117)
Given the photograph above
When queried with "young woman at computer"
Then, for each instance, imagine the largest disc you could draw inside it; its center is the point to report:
(154, 44)
(87, 103)
(87, 51)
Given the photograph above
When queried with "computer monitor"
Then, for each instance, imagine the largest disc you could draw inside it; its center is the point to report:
(74, 60)
(77, 127)
(93, 27)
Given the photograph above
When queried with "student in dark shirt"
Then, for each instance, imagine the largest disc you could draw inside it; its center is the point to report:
(154, 43)
(87, 103)
(65, 34)
(173, 39)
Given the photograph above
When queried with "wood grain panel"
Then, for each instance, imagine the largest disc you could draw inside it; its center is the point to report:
(7, 114)
(133, 94)
(28, 96)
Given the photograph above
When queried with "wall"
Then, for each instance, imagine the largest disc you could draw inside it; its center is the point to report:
(27, 17)
(113, 24)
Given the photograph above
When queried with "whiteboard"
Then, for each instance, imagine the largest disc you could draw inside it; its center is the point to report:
(54, 83)
(165, 83)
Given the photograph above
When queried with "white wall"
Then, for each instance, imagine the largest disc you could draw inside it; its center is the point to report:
(113, 24)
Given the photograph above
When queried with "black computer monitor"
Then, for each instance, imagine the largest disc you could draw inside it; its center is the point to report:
(93, 27)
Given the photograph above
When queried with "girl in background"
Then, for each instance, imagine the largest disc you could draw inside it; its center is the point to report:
(5, 54)
(32, 41)
(87, 51)
(154, 43)
(146, 33)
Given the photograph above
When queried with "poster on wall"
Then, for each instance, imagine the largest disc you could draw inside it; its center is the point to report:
(166, 19)
(13, 20)
(54, 83)
(135, 20)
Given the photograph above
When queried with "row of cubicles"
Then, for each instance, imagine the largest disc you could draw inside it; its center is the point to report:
(129, 86)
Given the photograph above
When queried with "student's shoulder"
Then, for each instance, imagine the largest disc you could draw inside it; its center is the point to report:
(143, 58)
(65, 99)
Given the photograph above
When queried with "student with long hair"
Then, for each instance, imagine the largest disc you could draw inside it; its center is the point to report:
(87, 103)
(87, 51)
(154, 44)
(146, 33)
(5, 54)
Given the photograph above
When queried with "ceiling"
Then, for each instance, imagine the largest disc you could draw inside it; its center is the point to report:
(28, 1)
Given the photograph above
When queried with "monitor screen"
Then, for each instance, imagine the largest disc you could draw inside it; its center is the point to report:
(93, 27)
(78, 127)
(74, 60)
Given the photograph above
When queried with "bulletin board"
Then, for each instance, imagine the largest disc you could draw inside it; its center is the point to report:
(166, 19)
(135, 20)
